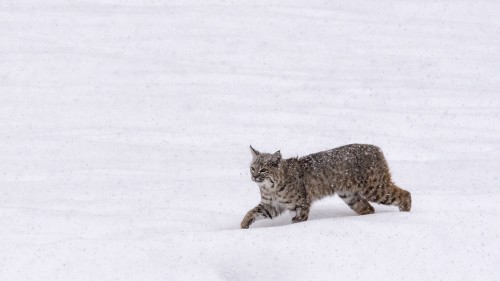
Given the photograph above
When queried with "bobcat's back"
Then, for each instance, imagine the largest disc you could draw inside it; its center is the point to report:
(342, 169)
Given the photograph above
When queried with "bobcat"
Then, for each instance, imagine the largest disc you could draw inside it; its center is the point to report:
(358, 173)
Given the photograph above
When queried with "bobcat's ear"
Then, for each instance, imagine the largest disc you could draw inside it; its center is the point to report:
(277, 155)
(276, 158)
(255, 153)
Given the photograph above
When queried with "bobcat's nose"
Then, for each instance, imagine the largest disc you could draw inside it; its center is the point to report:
(257, 179)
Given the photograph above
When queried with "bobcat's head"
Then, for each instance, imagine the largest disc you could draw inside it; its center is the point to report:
(264, 167)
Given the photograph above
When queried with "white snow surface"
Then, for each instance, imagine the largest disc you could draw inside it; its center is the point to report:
(125, 126)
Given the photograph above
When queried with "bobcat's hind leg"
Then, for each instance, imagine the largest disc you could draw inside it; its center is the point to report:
(389, 194)
(357, 203)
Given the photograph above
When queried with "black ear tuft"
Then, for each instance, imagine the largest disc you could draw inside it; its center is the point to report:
(254, 151)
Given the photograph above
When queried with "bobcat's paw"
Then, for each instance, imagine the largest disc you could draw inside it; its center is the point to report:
(245, 224)
(405, 205)
(298, 219)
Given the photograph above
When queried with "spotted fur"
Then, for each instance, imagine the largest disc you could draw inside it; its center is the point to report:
(358, 173)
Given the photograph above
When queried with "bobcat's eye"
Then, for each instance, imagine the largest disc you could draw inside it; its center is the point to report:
(263, 171)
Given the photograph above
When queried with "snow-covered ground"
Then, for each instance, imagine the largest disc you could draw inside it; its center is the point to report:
(125, 126)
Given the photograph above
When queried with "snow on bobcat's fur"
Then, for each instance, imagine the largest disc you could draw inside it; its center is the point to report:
(125, 126)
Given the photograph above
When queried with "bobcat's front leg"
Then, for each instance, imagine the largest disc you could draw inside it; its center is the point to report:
(259, 212)
(301, 213)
